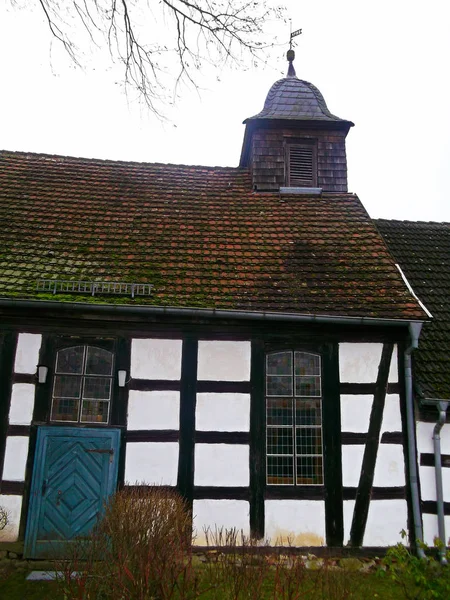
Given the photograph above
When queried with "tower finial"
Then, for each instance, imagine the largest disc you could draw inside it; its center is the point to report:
(290, 53)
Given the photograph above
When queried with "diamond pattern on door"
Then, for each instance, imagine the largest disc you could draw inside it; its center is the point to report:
(74, 473)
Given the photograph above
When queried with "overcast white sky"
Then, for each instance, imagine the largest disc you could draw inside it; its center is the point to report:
(383, 65)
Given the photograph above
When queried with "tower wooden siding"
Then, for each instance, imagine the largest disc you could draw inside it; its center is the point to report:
(268, 158)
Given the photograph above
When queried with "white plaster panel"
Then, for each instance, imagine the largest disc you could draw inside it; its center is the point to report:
(222, 465)
(213, 515)
(385, 521)
(425, 437)
(153, 410)
(13, 507)
(222, 412)
(428, 483)
(224, 360)
(16, 453)
(27, 353)
(355, 413)
(348, 509)
(156, 359)
(430, 528)
(358, 363)
(393, 371)
(298, 522)
(22, 404)
(392, 419)
(390, 466)
(352, 456)
(151, 463)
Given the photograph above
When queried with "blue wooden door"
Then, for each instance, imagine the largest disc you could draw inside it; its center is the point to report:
(75, 470)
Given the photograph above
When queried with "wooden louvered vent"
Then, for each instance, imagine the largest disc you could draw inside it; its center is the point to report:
(301, 165)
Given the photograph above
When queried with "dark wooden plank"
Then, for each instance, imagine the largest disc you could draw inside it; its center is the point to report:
(222, 437)
(332, 453)
(306, 492)
(427, 460)
(378, 493)
(224, 387)
(363, 494)
(221, 493)
(353, 438)
(149, 385)
(8, 344)
(257, 439)
(12, 488)
(392, 437)
(366, 388)
(429, 507)
(19, 430)
(185, 481)
(119, 413)
(24, 378)
(152, 435)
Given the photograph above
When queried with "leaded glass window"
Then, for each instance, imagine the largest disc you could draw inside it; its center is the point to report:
(294, 418)
(82, 385)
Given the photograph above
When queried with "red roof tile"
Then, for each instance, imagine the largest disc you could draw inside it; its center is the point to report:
(198, 234)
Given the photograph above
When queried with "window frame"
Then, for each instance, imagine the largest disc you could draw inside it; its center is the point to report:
(294, 426)
(301, 143)
(108, 344)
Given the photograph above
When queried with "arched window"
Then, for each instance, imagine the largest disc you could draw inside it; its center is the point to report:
(294, 418)
(82, 385)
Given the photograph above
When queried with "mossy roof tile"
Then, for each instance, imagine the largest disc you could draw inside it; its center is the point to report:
(199, 235)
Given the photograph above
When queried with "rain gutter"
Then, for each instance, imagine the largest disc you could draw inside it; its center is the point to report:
(441, 406)
(414, 330)
(201, 312)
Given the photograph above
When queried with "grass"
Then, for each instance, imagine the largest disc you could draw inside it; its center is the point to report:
(361, 586)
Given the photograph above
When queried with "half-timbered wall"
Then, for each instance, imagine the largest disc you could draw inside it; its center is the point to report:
(19, 396)
(269, 152)
(195, 420)
(427, 477)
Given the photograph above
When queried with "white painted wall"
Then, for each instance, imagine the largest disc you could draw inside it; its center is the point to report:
(222, 412)
(385, 521)
(27, 353)
(355, 412)
(302, 522)
(224, 360)
(352, 456)
(153, 410)
(430, 528)
(358, 362)
(151, 463)
(390, 466)
(22, 404)
(16, 453)
(425, 437)
(393, 371)
(13, 506)
(348, 508)
(392, 418)
(156, 359)
(222, 465)
(216, 514)
(428, 483)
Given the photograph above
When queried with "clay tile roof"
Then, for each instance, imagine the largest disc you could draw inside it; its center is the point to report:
(198, 234)
(423, 252)
(293, 98)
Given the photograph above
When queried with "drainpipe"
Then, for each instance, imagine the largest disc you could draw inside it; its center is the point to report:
(414, 330)
(441, 405)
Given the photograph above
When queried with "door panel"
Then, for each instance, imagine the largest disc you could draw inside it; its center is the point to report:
(75, 470)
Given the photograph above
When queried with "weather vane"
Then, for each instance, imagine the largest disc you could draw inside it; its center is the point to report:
(293, 35)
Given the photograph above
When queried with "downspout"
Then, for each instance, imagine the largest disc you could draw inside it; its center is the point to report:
(442, 408)
(414, 330)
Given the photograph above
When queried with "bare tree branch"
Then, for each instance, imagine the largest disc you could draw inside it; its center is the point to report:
(185, 33)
